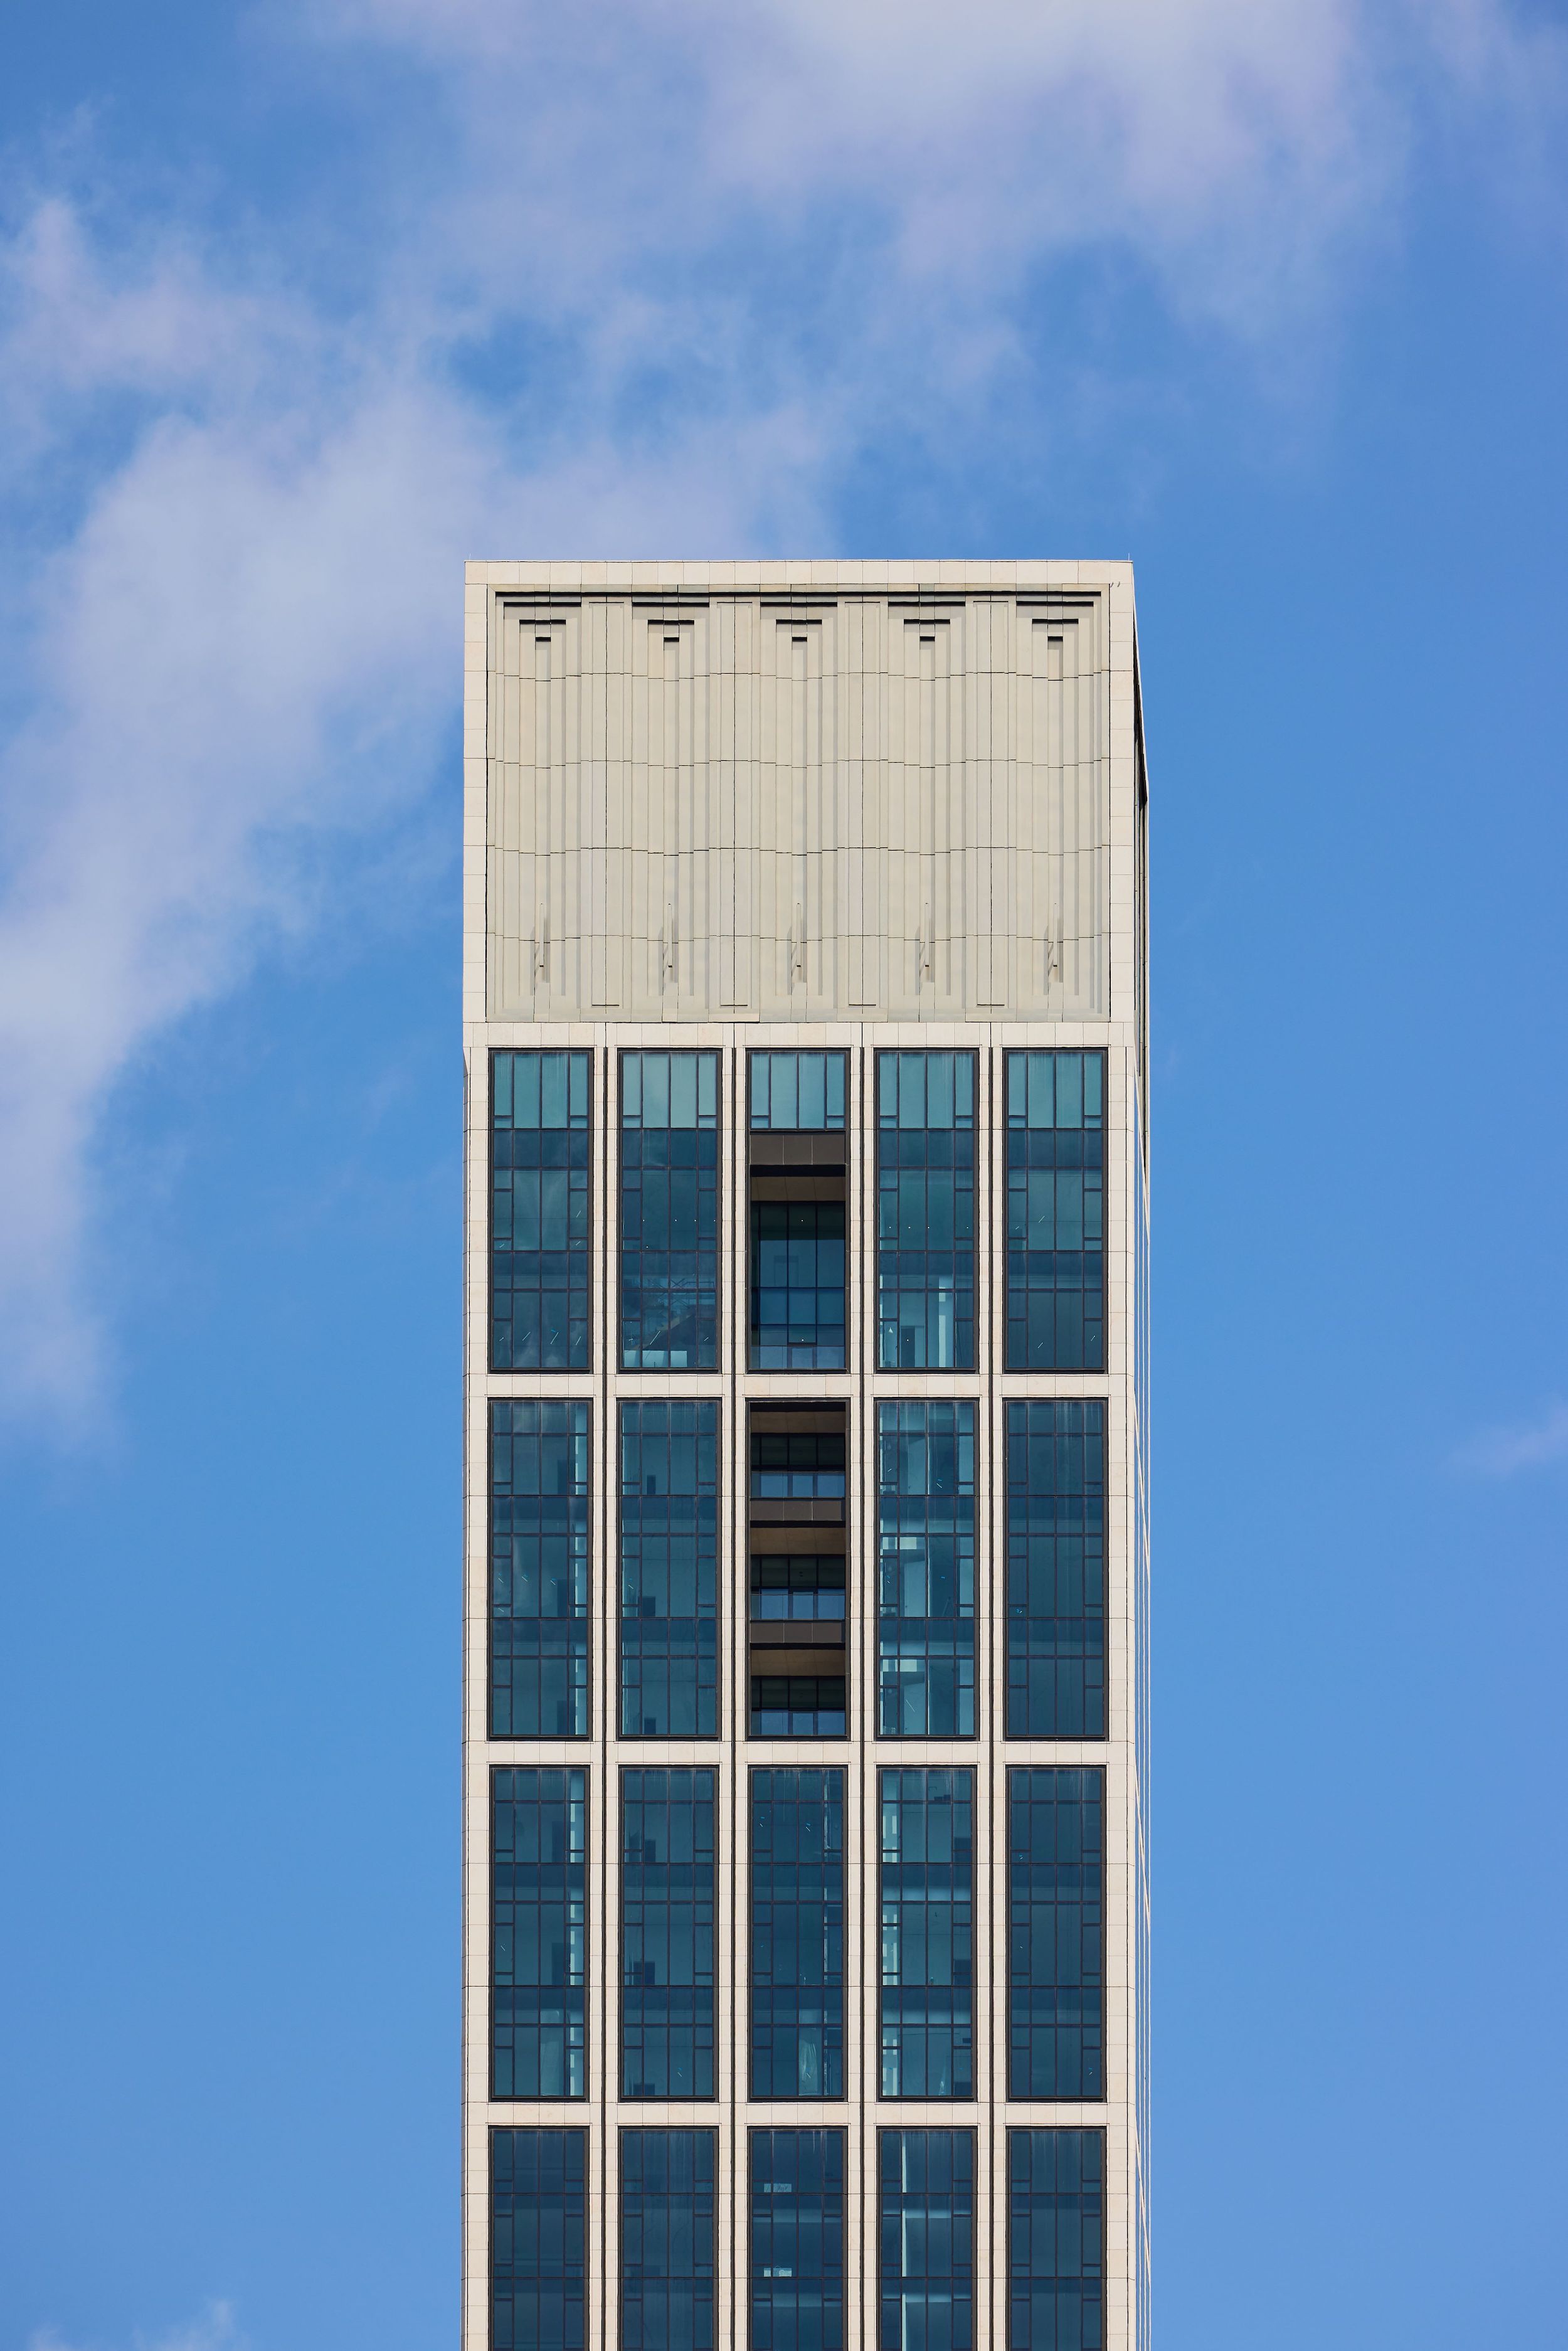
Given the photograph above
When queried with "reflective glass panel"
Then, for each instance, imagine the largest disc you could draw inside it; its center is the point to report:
(798, 1285)
(927, 1893)
(797, 1093)
(669, 1570)
(797, 2239)
(538, 1934)
(926, 2240)
(925, 1569)
(797, 1934)
(539, 1570)
(1056, 1212)
(1056, 1933)
(540, 1259)
(1056, 2241)
(925, 1211)
(1056, 1569)
(668, 1893)
(538, 2239)
(668, 2239)
(669, 1211)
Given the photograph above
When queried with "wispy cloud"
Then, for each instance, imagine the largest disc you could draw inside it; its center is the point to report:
(214, 2330)
(641, 278)
(1532, 1444)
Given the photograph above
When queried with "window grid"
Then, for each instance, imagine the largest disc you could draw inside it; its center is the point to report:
(538, 1934)
(796, 2008)
(926, 2240)
(1056, 2241)
(669, 2239)
(669, 1211)
(798, 1264)
(797, 1093)
(1056, 1933)
(925, 1569)
(1056, 1211)
(540, 1225)
(668, 1901)
(669, 1570)
(539, 1597)
(1056, 1570)
(538, 2239)
(796, 2239)
(925, 1211)
(925, 1999)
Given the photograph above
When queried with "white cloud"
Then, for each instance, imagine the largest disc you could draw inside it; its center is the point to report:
(215, 2330)
(742, 236)
(1532, 1444)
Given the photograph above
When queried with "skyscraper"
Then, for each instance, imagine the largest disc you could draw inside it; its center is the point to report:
(805, 1012)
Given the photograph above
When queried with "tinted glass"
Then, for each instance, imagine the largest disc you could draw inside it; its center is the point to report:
(1056, 1570)
(538, 2239)
(927, 1891)
(1056, 2241)
(797, 1093)
(926, 2240)
(925, 1211)
(669, 1570)
(668, 1895)
(798, 1285)
(797, 2239)
(797, 1948)
(668, 2239)
(539, 1570)
(669, 1211)
(541, 1263)
(538, 1934)
(1056, 1212)
(1056, 1934)
(925, 1569)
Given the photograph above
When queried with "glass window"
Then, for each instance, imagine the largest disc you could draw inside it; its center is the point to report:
(540, 1265)
(1056, 1934)
(797, 1465)
(797, 2239)
(668, 1893)
(669, 2240)
(926, 2240)
(1056, 2241)
(669, 1570)
(925, 1211)
(1056, 1212)
(538, 1934)
(538, 2239)
(539, 1570)
(669, 1212)
(798, 1934)
(925, 1569)
(926, 2006)
(797, 1093)
(797, 1286)
(1056, 1570)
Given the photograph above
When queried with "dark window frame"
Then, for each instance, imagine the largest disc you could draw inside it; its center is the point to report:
(493, 1618)
(699, 1053)
(513, 1052)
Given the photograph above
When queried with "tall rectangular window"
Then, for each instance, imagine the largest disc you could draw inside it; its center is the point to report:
(797, 2239)
(668, 1896)
(669, 1570)
(797, 1183)
(1056, 1570)
(925, 1211)
(539, 1570)
(1056, 1212)
(541, 1261)
(669, 1212)
(1056, 1934)
(669, 2239)
(1056, 2241)
(926, 2239)
(926, 1570)
(926, 2006)
(797, 1934)
(538, 1934)
(538, 2239)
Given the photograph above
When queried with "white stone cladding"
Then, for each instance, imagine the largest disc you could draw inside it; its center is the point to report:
(813, 805)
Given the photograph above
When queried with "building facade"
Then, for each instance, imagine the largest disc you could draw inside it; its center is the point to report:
(805, 1974)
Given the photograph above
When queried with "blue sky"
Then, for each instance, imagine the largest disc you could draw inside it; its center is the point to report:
(297, 308)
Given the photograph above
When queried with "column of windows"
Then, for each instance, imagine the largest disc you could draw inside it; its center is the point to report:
(667, 1680)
